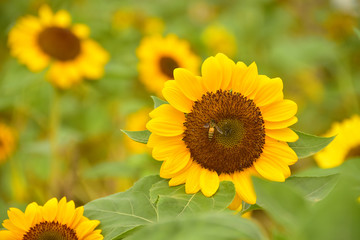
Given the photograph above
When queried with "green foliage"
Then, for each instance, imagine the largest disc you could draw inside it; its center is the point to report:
(138, 136)
(153, 203)
(203, 226)
(308, 145)
(158, 102)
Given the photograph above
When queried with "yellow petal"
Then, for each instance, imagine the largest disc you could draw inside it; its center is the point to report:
(285, 134)
(282, 124)
(211, 74)
(167, 121)
(279, 111)
(163, 142)
(62, 210)
(45, 14)
(18, 219)
(62, 18)
(281, 150)
(30, 213)
(209, 182)
(176, 97)
(236, 204)
(86, 228)
(175, 164)
(50, 210)
(180, 178)
(227, 66)
(6, 235)
(81, 30)
(244, 186)
(269, 91)
(278, 162)
(77, 216)
(268, 169)
(192, 184)
(189, 84)
(245, 79)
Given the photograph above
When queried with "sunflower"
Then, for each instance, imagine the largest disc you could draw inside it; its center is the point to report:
(158, 57)
(228, 124)
(218, 39)
(54, 220)
(7, 142)
(346, 145)
(51, 40)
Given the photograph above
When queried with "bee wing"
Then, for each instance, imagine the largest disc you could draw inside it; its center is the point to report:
(218, 129)
(207, 125)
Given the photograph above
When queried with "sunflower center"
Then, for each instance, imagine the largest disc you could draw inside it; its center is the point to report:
(167, 66)
(224, 132)
(353, 152)
(59, 43)
(50, 231)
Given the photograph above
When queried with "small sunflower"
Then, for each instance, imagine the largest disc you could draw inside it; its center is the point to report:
(158, 57)
(346, 145)
(55, 220)
(51, 40)
(227, 124)
(7, 142)
(218, 39)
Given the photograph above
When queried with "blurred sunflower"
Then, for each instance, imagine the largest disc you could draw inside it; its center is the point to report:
(50, 40)
(218, 39)
(54, 220)
(158, 57)
(228, 124)
(7, 142)
(345, 146)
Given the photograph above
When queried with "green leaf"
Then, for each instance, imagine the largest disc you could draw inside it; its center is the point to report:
(158, 101)
(174, 202)
(219, 226)
(357, 32)
(149, 201)
(122, 212)
(138, 136)
(308, 145)
(283, 203)
(314, 188)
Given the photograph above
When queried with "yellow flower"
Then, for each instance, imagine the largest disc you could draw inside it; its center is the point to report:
(158, 57)
(134, 122)
(54, 220)
(152, 26)
(218, 39)
(227, 124)
(346, 145)
(7, 142)
(51, 40)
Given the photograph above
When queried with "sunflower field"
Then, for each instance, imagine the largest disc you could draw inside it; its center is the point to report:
(197, 120)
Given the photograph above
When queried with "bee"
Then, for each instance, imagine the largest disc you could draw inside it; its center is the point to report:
(212, 126)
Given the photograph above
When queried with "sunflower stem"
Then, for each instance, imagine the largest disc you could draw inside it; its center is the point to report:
(54, 122)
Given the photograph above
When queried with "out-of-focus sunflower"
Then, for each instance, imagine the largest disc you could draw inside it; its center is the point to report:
(228, 124)
(346, 145)
(159, 56)
(7, 142)
(51, 40)
(218, 39)
(54, 220)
